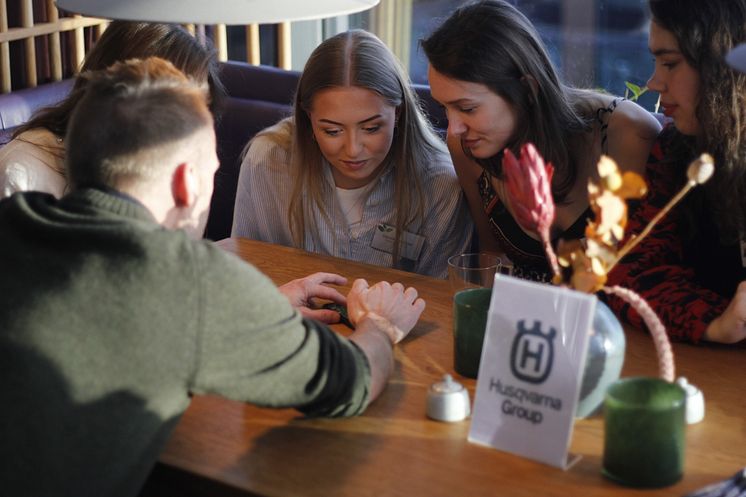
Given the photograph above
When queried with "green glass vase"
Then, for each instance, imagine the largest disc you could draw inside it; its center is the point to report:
(645, 420)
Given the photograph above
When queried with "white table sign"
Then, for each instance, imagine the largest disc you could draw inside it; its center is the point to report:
(531, 369)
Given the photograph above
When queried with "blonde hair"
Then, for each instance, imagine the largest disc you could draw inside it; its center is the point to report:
(359, 59)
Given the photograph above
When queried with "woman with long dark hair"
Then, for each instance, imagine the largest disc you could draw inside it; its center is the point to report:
(692, 268)
(491, 71)
(34, 158)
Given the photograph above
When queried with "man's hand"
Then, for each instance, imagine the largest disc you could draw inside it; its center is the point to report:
(302, 292)
(730, 326)
(390, 307)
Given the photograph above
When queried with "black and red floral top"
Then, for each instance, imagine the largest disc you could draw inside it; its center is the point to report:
(527, 253)
(688, 281)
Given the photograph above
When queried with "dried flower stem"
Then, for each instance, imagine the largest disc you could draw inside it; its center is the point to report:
(656, 328)
(634, 240)
(700, 170)
(551, 255)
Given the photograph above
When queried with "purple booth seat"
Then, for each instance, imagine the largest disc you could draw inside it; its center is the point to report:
(257, 97)
(17, 107)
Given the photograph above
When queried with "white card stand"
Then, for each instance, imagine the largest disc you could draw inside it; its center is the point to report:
(531, 369)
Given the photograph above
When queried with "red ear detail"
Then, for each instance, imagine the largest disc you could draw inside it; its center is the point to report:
(182, 186)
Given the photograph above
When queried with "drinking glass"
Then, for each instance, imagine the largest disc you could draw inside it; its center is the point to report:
(470, 308)
(475, 270)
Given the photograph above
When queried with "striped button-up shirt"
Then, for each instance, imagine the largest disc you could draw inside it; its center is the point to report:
(261, 212)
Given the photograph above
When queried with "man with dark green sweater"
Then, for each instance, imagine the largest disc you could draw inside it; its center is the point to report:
(110, 316)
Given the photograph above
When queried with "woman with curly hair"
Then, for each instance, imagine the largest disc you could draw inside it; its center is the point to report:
(692, 268)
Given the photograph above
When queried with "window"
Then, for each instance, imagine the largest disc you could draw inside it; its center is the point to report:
(593, 43)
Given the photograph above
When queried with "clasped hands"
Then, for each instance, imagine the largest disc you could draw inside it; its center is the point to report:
(394, 309)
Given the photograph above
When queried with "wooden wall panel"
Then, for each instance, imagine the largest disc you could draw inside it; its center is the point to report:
(52, 46)
(4, 51)
(38, 27)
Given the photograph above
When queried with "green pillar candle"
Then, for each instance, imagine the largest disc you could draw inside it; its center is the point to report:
(645, 419)
(469, 321)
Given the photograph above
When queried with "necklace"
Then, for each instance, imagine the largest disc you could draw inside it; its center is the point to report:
(351, 203)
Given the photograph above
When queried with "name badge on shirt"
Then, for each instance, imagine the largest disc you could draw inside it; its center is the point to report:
(411, 244)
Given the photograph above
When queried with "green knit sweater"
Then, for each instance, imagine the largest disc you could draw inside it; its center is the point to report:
(109, 321)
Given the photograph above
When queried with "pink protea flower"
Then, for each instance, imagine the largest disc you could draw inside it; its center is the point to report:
(529, 186)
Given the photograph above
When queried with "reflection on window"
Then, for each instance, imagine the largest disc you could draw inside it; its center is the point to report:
(593, 43)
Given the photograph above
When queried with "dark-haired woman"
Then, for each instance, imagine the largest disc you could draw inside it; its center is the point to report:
(491, 72)
(34, 158)
(692, 268)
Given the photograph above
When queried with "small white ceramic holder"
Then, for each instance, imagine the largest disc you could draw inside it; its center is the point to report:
(448, 400)
(695, 401)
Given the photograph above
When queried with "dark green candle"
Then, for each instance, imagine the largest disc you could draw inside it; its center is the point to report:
(469, 321)
(645, 420)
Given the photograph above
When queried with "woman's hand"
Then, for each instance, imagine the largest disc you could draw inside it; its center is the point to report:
(388, 307)
(730, 327)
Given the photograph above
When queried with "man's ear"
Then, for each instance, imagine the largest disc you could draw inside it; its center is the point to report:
(184, 185)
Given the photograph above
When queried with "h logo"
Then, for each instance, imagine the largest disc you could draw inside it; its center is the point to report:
(532, 353)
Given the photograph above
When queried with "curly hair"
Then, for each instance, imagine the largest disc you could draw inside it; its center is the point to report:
(706, 31)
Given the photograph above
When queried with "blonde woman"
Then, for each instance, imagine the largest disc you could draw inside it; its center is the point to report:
(357, 171)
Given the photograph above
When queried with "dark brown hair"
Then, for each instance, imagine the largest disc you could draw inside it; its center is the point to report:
(706, 31)
(125, 40)
(492, 43)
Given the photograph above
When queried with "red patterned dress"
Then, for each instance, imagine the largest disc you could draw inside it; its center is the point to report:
(687, 280)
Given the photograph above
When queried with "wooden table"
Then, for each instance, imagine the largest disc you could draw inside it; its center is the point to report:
(221, 447)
